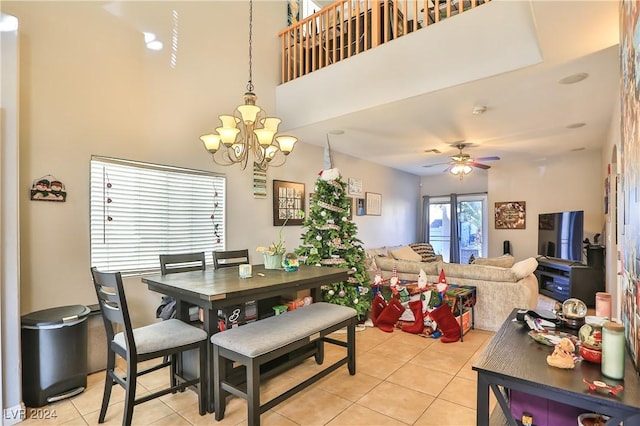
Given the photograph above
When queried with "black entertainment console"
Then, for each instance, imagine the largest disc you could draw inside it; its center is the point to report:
(563, 279)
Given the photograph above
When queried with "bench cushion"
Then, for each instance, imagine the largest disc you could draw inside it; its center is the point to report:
(260, 337)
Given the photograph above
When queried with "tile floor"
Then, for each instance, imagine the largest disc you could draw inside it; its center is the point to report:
(401, 379)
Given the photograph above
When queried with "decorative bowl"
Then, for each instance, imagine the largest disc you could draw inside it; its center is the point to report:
(592, 419)
(590, 354)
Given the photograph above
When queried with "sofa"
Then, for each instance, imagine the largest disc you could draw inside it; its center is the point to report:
(499, 289)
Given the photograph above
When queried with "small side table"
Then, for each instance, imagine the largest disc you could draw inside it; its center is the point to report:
(464, 296)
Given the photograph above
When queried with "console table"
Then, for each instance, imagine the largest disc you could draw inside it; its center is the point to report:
(513, 360)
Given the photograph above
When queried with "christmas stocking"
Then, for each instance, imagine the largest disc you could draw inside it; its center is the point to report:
(447, 323)
(390, 315)
(418, 325)
(377, 306)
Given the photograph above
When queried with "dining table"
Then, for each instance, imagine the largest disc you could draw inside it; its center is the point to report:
(213, 289)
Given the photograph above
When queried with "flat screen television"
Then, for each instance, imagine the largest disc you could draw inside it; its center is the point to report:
(560, 235)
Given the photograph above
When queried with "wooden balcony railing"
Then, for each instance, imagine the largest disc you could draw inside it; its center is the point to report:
(348, 27)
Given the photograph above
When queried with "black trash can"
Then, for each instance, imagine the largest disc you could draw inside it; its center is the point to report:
(54, 354)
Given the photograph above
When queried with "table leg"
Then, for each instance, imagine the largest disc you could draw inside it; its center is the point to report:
(210, 326)
(482, 401)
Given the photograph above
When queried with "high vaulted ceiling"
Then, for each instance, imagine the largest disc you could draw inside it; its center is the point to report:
(529, 114)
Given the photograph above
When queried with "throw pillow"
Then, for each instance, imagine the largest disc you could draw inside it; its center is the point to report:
(504, 261)
(406, 253)
(524, 268)
(425, 250)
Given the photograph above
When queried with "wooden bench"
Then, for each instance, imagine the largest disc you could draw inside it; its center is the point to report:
(257, 343)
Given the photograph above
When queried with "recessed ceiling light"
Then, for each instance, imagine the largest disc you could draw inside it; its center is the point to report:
(479, 109)
(574, 78)
(576, 125)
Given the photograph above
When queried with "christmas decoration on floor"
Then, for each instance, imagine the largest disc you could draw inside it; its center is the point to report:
(330, 240)
(428, 310)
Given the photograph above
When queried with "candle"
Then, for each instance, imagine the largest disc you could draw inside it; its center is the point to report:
(603, 304)
(613, 350)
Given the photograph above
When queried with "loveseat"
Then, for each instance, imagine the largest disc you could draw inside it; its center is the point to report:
(500, 289)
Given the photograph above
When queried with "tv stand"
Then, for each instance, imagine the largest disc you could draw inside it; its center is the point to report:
(564, 279)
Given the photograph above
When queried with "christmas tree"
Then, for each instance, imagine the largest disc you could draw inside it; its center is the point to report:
(330, 240)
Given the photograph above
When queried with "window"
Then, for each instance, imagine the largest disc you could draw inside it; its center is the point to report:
(471, 213)
(140, 210)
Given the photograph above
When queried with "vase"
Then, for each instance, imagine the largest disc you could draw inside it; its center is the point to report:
(272, 261)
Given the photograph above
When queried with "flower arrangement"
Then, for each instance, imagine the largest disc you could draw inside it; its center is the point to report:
(277, 247)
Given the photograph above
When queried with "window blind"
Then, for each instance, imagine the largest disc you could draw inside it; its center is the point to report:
(141, 210)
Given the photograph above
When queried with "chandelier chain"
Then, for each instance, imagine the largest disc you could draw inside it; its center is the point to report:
(250, 82)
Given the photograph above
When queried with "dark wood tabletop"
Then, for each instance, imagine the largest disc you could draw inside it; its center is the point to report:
(224, 286)
(514, 360)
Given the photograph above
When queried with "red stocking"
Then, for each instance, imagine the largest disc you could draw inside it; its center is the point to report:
(390, 315)
(418, 325)
(377, 306)
(447, 323)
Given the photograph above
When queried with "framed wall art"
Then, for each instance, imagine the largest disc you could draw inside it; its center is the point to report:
(360, 207)
(373, 203)
(48, 188)
(288, 203)
(354, 187)
(510, 215)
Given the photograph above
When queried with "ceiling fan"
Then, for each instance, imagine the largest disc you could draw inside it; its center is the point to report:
(462, 164)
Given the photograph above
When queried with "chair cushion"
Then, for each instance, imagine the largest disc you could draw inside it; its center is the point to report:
(257, 338)
(162, 335)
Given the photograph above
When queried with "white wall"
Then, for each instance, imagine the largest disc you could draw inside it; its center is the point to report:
(570, 182)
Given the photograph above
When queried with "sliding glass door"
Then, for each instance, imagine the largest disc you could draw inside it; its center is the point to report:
(467, 224)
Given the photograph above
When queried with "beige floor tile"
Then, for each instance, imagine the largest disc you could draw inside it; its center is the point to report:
(445, 413)
(392, 349)
(357, 415)
(421, 379)
(143, 414)
(180, 400)
(349, 387)
(377, 365)
(461, 391)
(449, 361)
(91, 398)
(312, 407)
(397, 402)
(171, 420)
(235, 413)
(271, 418)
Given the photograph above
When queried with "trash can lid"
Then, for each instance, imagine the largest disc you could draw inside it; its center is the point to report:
(53, 316)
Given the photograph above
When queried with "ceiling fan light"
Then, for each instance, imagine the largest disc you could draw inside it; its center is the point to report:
(466, 169)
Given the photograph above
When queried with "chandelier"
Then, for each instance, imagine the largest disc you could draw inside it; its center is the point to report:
(249, 130)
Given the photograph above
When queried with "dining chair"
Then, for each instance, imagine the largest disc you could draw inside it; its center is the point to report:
(172, 264)
(228, 258)
(135, 345)
(183, 262)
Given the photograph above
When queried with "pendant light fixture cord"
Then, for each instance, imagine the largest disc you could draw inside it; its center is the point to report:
(250, 82)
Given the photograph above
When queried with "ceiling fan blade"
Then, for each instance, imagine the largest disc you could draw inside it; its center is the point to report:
(436, 164)
(480, 166)
(494, 158)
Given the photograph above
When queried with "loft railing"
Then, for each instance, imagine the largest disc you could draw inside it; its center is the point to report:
(349, 27)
